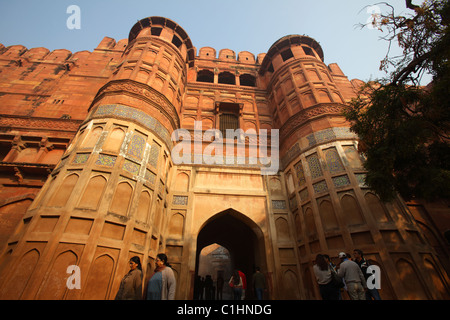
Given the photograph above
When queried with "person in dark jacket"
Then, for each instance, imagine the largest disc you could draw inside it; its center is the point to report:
(131, 284)
(259, 283)
(364, 264)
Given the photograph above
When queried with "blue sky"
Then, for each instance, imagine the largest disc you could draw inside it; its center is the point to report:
(245, 25)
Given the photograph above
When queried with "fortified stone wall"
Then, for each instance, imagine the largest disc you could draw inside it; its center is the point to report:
(88, 176)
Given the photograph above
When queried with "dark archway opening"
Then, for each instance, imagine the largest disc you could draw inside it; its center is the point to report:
(227, 78)
(205, 76)
(241, 237)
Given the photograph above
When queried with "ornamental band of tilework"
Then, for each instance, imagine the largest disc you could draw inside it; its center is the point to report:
(138, 116)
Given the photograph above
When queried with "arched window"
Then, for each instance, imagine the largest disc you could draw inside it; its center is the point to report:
(205, 76)
(93, 193)
(62, 195)
(92, 138)
(227, 78)
(247, 80)
(122, 198)
(287, 54)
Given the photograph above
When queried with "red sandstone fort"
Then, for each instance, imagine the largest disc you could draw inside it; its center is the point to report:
(87, 177)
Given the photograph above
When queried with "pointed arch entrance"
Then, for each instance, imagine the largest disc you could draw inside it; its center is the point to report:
(243, 239)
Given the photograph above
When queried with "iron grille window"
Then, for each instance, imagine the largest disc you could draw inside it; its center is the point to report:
(228, 121)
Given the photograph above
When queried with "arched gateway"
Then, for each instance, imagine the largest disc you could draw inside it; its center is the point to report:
(242, 237)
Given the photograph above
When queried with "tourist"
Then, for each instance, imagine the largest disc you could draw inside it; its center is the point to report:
(353, 277)
(322, 271)
(333, 269)
(131, 284)
(162, 284)
(244, 283)
(220, 282)
(236, 284)
(209, 288)
(364, 264)
(259, 283)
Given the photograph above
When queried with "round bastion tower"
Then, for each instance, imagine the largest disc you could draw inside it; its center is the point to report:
(105, 201)
(332, 209)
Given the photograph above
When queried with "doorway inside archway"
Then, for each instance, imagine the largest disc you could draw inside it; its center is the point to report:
(214, 268)
(243, 241)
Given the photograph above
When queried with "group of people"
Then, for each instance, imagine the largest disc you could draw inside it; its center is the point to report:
(161, 285)
(238, 282)
(204, 288)
(350, 274)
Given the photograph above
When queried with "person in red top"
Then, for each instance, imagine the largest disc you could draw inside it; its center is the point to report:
(244, 283)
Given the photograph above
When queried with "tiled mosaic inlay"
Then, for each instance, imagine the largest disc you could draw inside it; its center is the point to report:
(341, 181)
(180, 200)
(136, 147)
(333, 161)
(154, 153)
(80, 158)
(106, 160)
(279, 204)
(314, 166)
(300, 173)
(320, 186)
(361, 177)
(131, 167)
(150, 176)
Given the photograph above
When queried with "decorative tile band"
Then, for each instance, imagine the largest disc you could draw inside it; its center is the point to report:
(106, 160)
(279, 204)
(128, 113)
(361, 177)
(180, 200)
(341, 181)
(320, 186)
(150, 176)
(80, 158)
(131, 167)
(315, 139)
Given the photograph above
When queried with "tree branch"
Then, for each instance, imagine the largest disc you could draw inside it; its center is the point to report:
(410, 5)
(411, 67)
